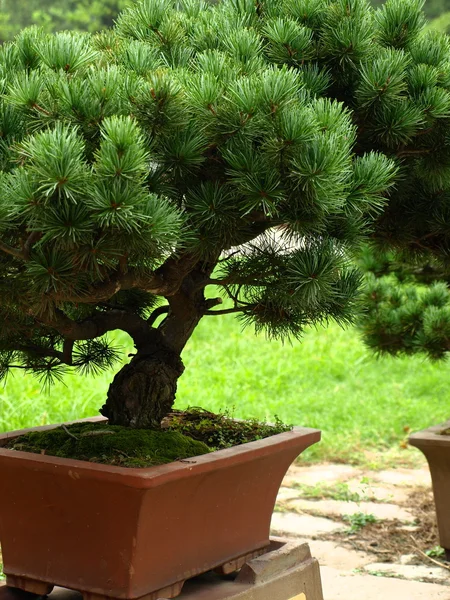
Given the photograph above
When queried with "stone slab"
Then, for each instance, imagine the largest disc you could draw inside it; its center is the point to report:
(303, 525)
(286, 493)
(338, 585)
(383, 512)
(339, 557)
(412, 572)
(378, 492)
(403, 477)
(325, 474)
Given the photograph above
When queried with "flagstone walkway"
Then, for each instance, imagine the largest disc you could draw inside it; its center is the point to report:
(370, 531)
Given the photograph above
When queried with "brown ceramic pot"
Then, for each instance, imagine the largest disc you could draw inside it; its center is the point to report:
(436, 448)
(128, 533)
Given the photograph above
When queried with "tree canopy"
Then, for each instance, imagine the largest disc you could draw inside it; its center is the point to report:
(249, 146)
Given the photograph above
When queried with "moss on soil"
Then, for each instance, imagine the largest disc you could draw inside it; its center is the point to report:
(221, 431)
(113, 445)
(184, 434)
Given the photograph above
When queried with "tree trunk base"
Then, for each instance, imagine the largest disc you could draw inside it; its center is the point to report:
(143, 392)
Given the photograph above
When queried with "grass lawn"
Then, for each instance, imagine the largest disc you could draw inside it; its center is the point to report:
(329, 381)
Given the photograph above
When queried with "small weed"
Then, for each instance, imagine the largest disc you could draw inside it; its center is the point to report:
(373, 573)
(382, 574)
(340, 491)
(281, 508)
(435, 552)
(359, 520)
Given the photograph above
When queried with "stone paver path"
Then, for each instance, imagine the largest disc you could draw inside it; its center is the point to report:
(315, 503)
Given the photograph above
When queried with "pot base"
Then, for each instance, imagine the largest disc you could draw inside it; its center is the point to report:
(41, 588)
(32, 586)
(285, 571)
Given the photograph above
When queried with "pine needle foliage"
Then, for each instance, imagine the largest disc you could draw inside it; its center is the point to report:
(406, 303)
(246, 145)
(407, 319)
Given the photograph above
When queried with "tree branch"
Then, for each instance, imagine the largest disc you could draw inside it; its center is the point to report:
(412, 152)
(165, 281)
(40, 351)
(12, 251)
(68, 352)
(104, 290)
(34, 237)
(97, 325)
(229, 311)
(230, 281)
(23, 254)
(211, 302)
(161, 310)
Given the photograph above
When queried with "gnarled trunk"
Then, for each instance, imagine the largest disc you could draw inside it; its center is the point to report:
(143, 392)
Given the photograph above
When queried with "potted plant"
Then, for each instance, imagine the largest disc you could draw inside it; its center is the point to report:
(408, 312)
(434, 442)
(406, 298)
(193, 154)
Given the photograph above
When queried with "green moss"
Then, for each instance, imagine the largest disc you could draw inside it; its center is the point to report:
(185, 434)
(120, 446)
(220, 431)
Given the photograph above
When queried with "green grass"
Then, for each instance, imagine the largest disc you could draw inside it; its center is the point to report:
(330, 381)
(340, 491)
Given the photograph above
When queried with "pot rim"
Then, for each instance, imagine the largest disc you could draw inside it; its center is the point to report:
(431, 436)
(157, 475)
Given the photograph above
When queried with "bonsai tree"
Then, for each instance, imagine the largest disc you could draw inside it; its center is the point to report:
(198, 152)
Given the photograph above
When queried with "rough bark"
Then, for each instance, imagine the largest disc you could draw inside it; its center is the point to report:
(143, 392)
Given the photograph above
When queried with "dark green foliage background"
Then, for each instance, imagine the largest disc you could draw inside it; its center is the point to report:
(83, 15)
(432, 8)
(93, 15)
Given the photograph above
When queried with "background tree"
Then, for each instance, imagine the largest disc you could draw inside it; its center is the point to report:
(406, 300)
(51, 15)
(243, 146)
(406, 303)
(432, 8)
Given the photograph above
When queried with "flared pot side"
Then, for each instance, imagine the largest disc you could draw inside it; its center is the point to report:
(436, 448)
(126, 533)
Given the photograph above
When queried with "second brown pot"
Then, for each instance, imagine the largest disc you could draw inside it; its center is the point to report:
(436, 448)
